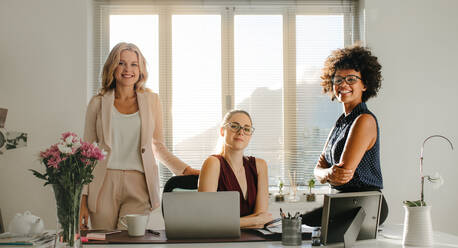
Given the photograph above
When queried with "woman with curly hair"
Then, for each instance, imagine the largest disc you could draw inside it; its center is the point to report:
(350, 161)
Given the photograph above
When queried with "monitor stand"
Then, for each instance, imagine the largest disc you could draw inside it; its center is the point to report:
(352, 231)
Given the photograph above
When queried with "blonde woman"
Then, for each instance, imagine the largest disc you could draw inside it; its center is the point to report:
(125, 119)
(230, 170)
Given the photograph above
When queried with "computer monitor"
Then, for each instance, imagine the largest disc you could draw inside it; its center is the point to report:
(348, 217)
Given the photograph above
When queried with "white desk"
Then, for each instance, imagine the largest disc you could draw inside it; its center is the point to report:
(390, 237)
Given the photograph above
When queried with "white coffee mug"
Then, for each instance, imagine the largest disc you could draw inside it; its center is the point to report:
(136, 224)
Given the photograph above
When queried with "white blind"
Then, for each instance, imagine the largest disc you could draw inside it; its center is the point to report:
(316, 37)
(196, 86)
(206, 57)
(258, 84)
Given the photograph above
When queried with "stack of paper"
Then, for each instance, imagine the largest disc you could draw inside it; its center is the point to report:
(45, 239)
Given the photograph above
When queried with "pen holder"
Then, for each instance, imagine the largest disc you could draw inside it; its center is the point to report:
(291, 231)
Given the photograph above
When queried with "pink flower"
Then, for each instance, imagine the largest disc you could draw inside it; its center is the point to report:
(54, 161)
(91, 151)
(53, 151)
(66, 134)
(70, 152)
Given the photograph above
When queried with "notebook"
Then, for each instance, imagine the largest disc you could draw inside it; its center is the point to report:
(189, 215)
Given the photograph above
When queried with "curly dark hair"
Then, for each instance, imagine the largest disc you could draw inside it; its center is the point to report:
(359, 59)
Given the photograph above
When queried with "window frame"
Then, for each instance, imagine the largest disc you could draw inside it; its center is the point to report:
(103, 10)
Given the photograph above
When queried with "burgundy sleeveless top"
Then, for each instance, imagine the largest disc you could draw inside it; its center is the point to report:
(228, 182)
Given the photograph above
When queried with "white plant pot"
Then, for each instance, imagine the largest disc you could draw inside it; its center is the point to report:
(418, 228)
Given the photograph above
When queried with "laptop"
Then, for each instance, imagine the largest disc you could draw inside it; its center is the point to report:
(191, 215)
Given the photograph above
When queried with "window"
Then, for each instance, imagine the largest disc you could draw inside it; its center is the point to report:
(258, 83)
(208, 57)
(131, 28)
(316, 37)
(196, 77)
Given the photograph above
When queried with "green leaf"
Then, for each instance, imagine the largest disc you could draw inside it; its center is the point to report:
(38, 174)
(417, 203)
(311, 183)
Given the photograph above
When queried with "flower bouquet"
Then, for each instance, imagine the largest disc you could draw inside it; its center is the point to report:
(69, 165)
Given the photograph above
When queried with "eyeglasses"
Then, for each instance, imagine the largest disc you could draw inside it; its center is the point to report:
(350, 79)
(235, 127)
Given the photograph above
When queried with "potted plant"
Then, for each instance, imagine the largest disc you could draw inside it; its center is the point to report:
(417, 220)
(280, 197)
(311, 196)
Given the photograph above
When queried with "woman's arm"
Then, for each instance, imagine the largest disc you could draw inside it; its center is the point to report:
(362, 137)
(334, 174)
(322, 170)
(90, 135)
(177, 166)
(261, 214)
(209, 175)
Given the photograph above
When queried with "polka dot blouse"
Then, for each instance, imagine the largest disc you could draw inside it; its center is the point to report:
(368, 174)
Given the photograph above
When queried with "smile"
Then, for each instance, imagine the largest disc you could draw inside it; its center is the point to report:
(127, 75)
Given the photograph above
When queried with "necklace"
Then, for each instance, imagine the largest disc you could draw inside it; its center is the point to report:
(240, 170)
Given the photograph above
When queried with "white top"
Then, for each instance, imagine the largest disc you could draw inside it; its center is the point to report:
(125, 134)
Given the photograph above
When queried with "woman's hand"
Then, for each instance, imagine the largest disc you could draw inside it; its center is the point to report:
(190, 171)
(84, 214)
(263, 218)
(322, 170)
(339, 175)
(258, 220)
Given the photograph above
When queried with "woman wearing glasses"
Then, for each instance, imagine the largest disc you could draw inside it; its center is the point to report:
(230, 170)
(350, 160)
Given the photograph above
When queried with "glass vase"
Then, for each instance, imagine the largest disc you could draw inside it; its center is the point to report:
(68, 199)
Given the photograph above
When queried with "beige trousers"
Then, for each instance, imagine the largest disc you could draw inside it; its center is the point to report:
(123, 192)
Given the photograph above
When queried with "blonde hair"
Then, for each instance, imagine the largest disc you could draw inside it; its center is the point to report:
(231, 113)
(220, 143)
(108, 79)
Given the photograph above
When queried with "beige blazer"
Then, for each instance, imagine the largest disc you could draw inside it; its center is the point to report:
(98, 129)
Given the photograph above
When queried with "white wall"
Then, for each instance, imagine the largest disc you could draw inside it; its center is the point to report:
(416, 42)
(43, 84)
(43, 75)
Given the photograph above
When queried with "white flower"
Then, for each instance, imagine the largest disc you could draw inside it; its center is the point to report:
(437, 180)
(69, 140)
(77, 144)
(63, 148)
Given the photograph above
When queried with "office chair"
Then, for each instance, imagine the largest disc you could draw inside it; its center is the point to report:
(187, 182)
